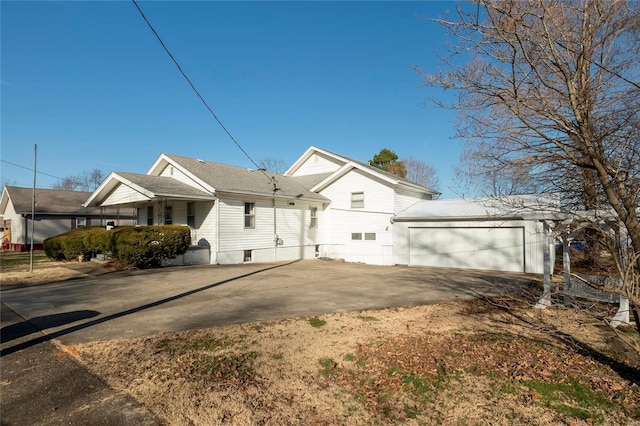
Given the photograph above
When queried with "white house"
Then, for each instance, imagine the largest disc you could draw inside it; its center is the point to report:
(324, 205)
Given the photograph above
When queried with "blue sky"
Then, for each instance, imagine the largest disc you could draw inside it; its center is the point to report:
(91, 86)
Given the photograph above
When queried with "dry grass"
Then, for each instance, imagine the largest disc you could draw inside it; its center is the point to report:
(40, 275)
(14, 269)
(470, 363)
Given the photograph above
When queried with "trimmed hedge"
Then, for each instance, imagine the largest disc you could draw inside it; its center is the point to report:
(140, 246)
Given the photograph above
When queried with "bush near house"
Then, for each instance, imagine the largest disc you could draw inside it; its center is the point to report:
(143, 246)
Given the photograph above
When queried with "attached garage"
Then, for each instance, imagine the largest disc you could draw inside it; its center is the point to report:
(469, 234)
(491, 248)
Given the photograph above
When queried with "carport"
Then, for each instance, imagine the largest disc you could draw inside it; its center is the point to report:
(483, 234)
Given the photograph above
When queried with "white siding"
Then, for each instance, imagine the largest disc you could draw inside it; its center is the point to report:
(339, 220)
(17, 224)
(292, 227)
(378, 196)
(124, 195)
(404, 199)
(318, 163)
(206, 230)
(337, 242)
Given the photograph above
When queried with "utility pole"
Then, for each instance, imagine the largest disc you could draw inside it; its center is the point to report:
(33, 205)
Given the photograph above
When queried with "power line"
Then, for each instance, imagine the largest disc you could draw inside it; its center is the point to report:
(30, 169)
(193, 87)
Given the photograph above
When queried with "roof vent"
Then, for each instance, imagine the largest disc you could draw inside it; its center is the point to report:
(200, 161)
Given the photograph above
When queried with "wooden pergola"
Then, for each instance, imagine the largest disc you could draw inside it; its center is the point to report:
(563, 229)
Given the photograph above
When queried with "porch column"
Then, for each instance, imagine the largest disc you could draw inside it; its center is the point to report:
(622, 316)
(545, 300)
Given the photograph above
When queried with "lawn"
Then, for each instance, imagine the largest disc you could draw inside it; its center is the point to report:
(494, 362)
(14, 269)
(13, 259)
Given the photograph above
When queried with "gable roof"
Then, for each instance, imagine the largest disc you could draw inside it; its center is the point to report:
(218, 177)
(49, 201)
(347, 165)
(207, 178)
(148, 187)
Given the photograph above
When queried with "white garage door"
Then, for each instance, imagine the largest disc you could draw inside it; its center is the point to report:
(490, 248)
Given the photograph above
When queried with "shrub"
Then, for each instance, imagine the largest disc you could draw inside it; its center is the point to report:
(147, 246)
(68, 245)
(144, 246)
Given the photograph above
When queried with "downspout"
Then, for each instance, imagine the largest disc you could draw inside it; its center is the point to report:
(26, 230)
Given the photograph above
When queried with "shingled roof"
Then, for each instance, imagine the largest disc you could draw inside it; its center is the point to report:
(233, 179)
(50, 201)
(163, 186)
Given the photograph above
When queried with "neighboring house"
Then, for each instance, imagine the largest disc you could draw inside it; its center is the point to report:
(56, 211)
(491, 234)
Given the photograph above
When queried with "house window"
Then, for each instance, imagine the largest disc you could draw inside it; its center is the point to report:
(357, 200)
(247, 255)
(356, 235)
(314, 217)
(149, 215)
(168, 215)
(370, 236)
(81, 221)
(191, 215)
(249, 215)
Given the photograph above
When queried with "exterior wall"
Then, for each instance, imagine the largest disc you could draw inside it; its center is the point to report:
(292, 227)
(534, 238)
(44, 227)
(375, 217)
(378, 196)
(338, 242)
(405, 199)
(123, 195)
(17, 242)
(318, 163)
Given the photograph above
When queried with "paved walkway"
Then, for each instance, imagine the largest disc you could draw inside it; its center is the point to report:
(42, 384)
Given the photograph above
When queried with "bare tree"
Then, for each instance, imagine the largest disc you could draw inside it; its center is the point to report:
(420, 172)
(85, 181)
(478, 175)
(273, 165)
(555, 84)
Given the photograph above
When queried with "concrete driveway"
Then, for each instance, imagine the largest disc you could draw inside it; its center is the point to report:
(138, 303)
